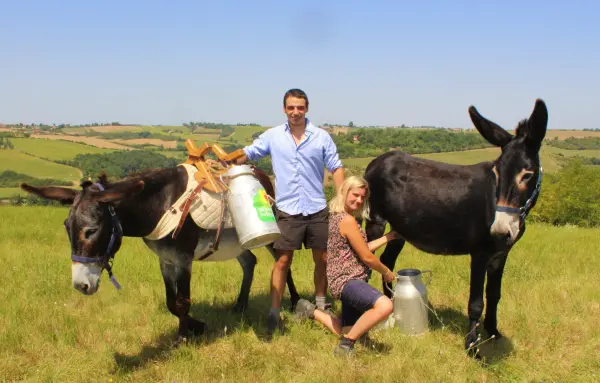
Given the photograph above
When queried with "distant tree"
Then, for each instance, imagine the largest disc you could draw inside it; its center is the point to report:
(351, 124)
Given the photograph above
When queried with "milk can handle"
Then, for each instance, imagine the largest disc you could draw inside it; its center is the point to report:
(390, 290)
(430, 276)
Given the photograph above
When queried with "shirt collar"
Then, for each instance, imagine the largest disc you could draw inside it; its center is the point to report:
(310, 128)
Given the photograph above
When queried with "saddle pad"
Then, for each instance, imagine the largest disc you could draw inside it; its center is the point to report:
(205, 210)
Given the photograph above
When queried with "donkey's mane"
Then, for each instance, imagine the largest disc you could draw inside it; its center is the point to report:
(521, 127)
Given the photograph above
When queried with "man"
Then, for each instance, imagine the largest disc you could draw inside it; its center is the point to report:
(299, 152)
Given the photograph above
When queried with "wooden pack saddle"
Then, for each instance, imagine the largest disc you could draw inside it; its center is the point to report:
(209, 177)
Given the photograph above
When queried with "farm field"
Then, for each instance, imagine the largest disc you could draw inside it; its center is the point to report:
(564, 134)
(243, 134)
(56, 150)
(93, 141)
(203, 137)
(549, 314)
(148, 141)
(104, 129)
(36, 167)
(9, 192)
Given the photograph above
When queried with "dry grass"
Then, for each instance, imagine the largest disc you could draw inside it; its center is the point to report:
(94, 141)
(550, 315)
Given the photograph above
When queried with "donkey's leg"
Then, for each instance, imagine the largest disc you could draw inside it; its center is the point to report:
(177, 285)
(388, 258)
(374, 230)
(248, 261)
(478, 269)
(495, 269)
(294, 296)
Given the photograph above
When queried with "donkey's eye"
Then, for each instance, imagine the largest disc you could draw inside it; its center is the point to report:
(526, 177)
(90, 232)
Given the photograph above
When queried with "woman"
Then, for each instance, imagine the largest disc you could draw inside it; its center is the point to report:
(349, 262)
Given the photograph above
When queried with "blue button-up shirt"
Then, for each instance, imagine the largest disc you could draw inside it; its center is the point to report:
(298, 169)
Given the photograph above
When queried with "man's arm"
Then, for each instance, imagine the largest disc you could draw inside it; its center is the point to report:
(257, 150)
(338, 178)
(333, 163)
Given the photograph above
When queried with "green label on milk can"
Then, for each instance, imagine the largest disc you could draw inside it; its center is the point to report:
(263, 207)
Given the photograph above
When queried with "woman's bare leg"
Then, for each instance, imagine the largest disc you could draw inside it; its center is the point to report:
(332, 323)
(382, 309)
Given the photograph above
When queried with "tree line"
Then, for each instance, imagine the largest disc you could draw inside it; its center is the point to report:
(11, 179)
(5, 143)
(118, 164)
(584, 143)
(372, 142)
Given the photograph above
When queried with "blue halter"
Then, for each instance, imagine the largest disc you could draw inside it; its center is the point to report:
(525, 209)
(106, 260)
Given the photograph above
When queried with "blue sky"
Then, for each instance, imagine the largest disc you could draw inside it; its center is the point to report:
(373, 63)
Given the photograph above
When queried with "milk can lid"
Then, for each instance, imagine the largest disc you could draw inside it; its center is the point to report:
(238, 170)
(409, 272)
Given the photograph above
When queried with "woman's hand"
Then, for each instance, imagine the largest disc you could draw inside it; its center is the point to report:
(391, 235)
(389, 276)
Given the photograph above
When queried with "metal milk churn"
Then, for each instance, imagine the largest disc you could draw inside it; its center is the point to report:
(250, 209)
(411, 305)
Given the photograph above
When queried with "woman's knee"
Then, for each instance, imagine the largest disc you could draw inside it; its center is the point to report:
(384, 306)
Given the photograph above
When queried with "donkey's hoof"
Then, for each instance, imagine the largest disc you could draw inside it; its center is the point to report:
(179, 341)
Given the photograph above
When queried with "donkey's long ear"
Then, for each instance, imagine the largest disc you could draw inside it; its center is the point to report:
(64, 195)
(493, 133)
(113, 195)
(537, 124)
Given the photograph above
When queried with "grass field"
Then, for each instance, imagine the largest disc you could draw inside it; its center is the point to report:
(55, 150)
(9, 192)
(203, 137)
(93, 141)
(550, 315)
(243, 134)
(148, 141)
(35, 167)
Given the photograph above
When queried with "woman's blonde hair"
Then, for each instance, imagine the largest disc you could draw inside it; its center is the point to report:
(338, 203)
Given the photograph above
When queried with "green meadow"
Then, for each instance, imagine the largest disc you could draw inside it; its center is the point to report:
(36, 167)
(549, 314)
(243, 134)
(56, 150)
(9, 192)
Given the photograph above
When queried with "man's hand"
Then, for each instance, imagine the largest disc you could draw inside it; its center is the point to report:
(338, 178)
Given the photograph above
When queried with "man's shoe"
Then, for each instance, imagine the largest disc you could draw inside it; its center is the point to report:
(344, 348)
(305, 310)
